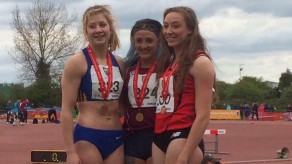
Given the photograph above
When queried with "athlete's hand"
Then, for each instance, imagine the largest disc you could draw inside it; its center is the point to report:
(181, 160)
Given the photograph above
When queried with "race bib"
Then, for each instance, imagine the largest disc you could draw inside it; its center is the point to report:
(150, 93)
(117, 84)
(169, 102)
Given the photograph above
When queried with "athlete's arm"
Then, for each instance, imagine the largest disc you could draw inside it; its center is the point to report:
(73, 72)
(203, 73)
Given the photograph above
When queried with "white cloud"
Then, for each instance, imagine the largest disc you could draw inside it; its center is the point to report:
(257, 40)
(237, 32)
(124, 35)
(268, 66)
(7, 68)
(247, 32)
(8, 72)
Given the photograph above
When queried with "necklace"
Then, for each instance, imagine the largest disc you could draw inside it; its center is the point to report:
(139, 96)
(165, 83)
(104, 90)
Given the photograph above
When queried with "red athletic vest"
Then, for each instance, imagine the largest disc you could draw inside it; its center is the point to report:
(184, 113)
(181, 113)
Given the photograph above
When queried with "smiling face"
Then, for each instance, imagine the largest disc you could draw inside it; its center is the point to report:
(98, 30)
(146, 43)
(175, 29)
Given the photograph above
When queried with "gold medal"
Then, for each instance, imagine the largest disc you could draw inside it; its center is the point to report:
(139, 117)
(163, 109)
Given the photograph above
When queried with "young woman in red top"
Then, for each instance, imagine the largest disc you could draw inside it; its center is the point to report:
(186, 76)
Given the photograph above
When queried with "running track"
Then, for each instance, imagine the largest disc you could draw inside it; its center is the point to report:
(244, 141)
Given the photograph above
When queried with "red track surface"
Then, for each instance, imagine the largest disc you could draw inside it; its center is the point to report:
(250, 141)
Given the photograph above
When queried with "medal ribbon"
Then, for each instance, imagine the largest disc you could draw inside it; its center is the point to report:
(104, 90)
(139, 97)
(166, 78)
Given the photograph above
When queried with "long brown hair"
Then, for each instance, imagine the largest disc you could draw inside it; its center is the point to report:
(191, 45)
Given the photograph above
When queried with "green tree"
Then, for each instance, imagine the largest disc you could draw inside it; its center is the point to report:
(18, 91)
(248, 89)
(275, 93)
(285, 99)
(222, 88)
(10, 92)
(3, 101)
(43, 39)
(285, 80)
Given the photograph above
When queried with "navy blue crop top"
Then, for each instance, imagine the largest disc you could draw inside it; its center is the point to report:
(89, 89)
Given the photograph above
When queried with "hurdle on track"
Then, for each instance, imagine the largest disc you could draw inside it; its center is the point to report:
(215, 132)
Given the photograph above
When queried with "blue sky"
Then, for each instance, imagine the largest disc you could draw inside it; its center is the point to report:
(253, 34)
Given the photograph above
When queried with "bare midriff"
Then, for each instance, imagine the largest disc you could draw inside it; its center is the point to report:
(99, 114)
